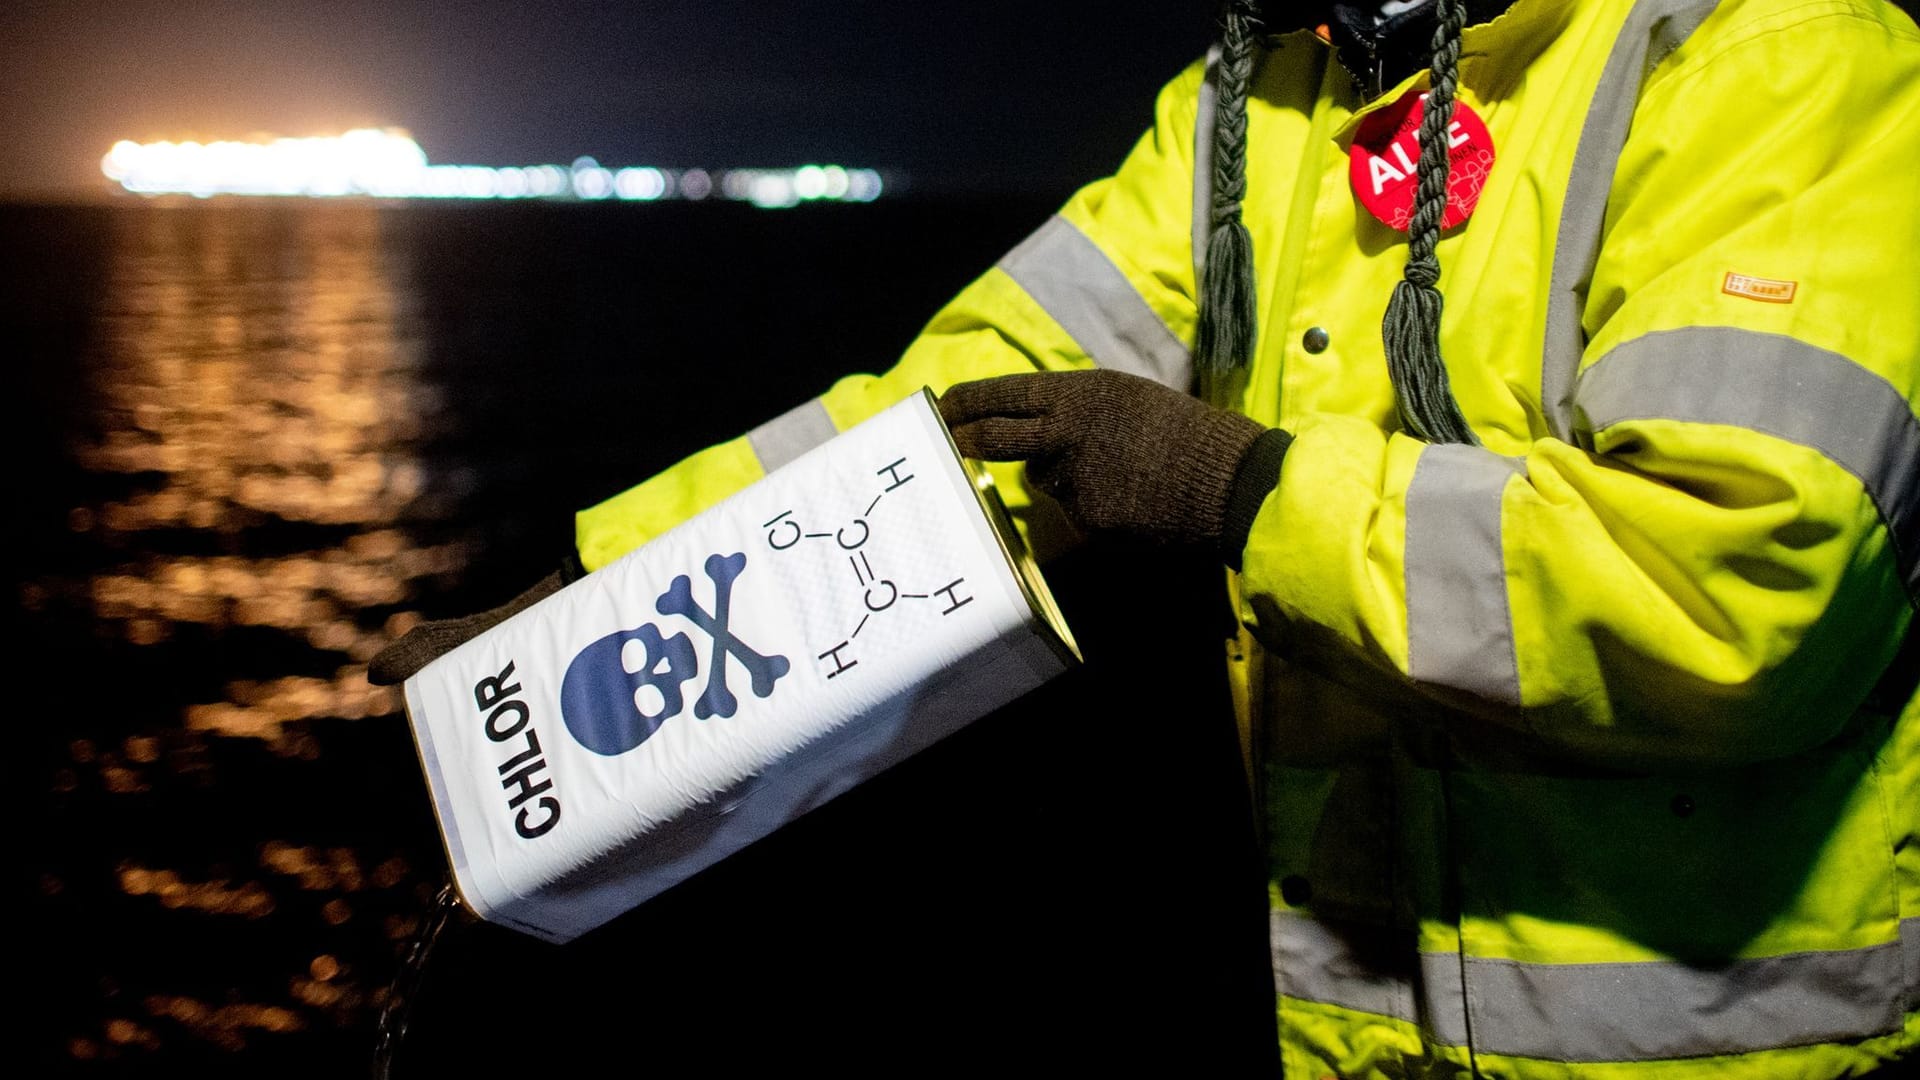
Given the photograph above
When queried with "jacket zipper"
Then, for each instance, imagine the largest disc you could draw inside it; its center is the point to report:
(1377, 68)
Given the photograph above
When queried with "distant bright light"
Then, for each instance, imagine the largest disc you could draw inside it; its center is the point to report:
(388, 164)
(642, 183)
(809, 182)
(479, 182)
(590, 181)
(513, 182)
(695, 184)
(765, 188)
(361, 162)
(546, 181)
(863, 185)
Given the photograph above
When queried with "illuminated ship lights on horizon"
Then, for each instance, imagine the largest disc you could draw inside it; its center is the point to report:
(388, 164)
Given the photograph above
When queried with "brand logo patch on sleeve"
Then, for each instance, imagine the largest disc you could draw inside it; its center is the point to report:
(1758, 288)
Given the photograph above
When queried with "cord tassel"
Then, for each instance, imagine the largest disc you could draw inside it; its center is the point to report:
(1420, 384)
(1411, 329)
(1227, 319)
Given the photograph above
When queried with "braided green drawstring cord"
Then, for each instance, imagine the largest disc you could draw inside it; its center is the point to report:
(1224, 341)
(1411, 329)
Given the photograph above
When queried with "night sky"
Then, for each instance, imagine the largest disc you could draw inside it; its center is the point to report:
(982, 95)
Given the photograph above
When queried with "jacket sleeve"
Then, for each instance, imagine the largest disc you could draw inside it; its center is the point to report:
(1715, 559)
(1067, 297)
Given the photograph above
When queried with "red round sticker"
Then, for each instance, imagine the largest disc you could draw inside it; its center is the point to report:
(1386, 155)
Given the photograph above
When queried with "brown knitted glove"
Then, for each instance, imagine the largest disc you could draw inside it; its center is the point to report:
(426, 643)
(1118, 451)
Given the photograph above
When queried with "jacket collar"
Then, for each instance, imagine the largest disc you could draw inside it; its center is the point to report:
(1380, 53)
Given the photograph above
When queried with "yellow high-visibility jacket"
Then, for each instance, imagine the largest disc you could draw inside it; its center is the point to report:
(1574, 749)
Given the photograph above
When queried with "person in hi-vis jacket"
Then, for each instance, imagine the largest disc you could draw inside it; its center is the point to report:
(1571, 607)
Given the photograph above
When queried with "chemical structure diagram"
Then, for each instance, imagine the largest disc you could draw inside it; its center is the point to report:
(878, 594)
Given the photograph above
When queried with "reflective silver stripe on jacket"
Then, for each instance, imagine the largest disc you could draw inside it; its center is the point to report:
(1371, 970)
(791, 434)
(1630, 1011)
(1079, 288)
(1459, 626)
(1083, 291)
(1778, 386)
(1653, 29)
(1203, 121)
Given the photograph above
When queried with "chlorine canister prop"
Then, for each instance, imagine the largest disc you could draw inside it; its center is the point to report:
(850, 609)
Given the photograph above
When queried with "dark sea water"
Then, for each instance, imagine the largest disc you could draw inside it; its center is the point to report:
(253, 441)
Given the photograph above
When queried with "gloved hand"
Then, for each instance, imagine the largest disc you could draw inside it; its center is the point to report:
(425, 643)
(1124, 453)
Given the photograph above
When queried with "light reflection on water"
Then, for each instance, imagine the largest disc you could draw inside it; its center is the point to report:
(256, 412)
(243, 398)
